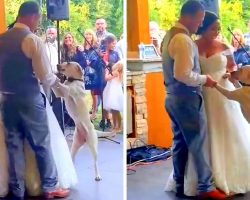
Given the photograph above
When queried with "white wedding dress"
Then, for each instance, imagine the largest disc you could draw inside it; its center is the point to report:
(113, 95)
(228, 136)
(67, 177)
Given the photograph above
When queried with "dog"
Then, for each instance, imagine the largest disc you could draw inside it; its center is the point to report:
(242, 92)
(73, 93)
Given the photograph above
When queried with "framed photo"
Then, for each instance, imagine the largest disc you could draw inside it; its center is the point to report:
(150, 52)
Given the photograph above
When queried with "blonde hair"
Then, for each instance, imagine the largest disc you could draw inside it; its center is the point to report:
(94, 38)
(118, 67)
(240, 33)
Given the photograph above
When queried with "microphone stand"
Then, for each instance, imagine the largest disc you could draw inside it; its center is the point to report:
(58, 102)
(109, 67)
(238, 42)
(100, 58)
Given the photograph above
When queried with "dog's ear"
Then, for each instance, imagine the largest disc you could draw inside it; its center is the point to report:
(247, 81)
(58, 67)
(244, 75)
(79, 68)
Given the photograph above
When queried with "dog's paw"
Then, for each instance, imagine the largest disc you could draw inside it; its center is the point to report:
(98, 178)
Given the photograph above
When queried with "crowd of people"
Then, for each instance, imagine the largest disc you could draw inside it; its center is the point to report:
(97, 53)
(239, 43)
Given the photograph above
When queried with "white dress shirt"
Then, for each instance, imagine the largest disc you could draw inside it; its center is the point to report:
(52, 52)
(120, 48)
(34, 48)
(182, 50)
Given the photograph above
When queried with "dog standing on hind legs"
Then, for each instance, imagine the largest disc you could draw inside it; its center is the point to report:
(73, 92)
(242, 92)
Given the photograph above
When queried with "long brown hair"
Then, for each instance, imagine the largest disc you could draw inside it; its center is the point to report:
(68, 52)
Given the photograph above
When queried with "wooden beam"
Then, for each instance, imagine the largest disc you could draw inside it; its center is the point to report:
(2, 17)
(137, 24)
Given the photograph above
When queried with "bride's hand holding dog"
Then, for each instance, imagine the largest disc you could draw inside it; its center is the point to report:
(226, 75)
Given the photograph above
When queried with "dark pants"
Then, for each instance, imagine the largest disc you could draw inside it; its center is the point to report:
(27, 118)
(58, 109)
(189, 127)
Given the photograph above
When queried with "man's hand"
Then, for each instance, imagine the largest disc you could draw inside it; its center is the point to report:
(61, 77)
(210, 82)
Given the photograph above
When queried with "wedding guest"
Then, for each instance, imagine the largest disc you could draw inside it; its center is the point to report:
(240, 56)
(110, 57)
(93, 75)
(71, 52)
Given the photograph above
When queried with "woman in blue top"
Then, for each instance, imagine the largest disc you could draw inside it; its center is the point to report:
(240, 56)
(71, 52)
(92, 76)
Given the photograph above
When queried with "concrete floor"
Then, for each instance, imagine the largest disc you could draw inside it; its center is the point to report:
(111, 171)
(148, 183)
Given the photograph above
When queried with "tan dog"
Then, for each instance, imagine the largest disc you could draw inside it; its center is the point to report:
(241, 94)
(73, 92)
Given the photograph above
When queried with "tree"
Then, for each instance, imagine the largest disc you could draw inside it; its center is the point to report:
(83, 15)
(111, 10)
(233, 14)
(164, 12)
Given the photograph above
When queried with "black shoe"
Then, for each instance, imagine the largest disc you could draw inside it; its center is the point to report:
(11, 196)
(17, 198)
(102, 124)
(183, 196)
(108, 124)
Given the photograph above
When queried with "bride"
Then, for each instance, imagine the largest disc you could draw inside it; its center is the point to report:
(228, 130)
(67, 177)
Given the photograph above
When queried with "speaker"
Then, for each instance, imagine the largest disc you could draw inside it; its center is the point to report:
(58, 9)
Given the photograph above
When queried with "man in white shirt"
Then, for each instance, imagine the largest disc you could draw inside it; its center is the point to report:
(51, 47)
(184, 101)
(120, 47)
(101, 29)
(155, 37)
(23, 63)
(52, 52)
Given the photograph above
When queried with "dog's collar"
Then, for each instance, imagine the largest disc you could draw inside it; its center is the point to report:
(245, 85)
(71, 79)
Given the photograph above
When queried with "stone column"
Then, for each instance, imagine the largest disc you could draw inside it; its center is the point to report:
(137, 81)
